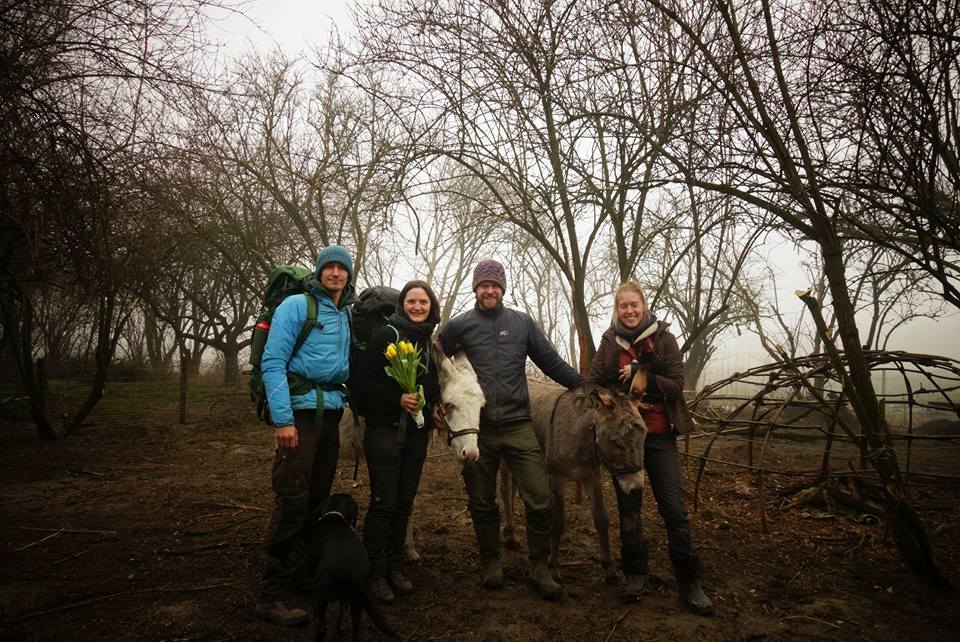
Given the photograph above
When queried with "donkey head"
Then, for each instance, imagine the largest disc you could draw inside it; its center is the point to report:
(619, 435)
(463, 399)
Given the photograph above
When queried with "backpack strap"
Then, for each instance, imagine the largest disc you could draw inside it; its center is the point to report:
(395, 331)
(298, 385)
(308, 325)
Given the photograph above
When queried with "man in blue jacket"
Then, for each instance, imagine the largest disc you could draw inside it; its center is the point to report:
(305, 424)
(498, 341)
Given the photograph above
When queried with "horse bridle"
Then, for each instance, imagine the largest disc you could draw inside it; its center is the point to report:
(453, 434)
(601, 458)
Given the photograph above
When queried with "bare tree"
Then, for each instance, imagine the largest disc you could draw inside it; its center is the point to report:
(782, 160)
(518, 96)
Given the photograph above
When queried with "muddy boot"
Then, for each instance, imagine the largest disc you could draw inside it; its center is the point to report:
(491, 571)
(399, 582)
(542, 582)
(634, 587)
(382, 592)
(691, 594)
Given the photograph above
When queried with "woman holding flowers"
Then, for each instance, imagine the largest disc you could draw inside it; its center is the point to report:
(398, 382)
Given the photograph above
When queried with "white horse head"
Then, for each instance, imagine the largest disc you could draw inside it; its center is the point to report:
(463, 400)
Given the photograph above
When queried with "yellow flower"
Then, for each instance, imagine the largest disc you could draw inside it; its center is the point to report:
(391, 351)
(406, 347)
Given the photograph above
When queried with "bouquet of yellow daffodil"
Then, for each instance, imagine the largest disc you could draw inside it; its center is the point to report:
(403, 365)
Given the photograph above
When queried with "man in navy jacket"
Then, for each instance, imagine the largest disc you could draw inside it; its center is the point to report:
(497, 341)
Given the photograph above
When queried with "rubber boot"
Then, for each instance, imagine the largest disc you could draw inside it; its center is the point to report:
(634, 587)
(540, 578)
(491, 571)
(691, 594)
(542, 582)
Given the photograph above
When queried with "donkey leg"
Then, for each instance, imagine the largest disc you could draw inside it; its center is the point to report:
(601, 521)
(556, 486)
(409, 547)
(506, 496)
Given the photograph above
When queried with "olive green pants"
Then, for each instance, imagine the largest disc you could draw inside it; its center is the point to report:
(517, 444)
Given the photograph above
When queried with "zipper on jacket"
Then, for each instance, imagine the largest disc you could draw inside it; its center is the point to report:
(496, 374)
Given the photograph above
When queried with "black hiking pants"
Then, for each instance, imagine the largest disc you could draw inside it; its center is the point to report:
(394, 467)
(661, 461)
(302, 477)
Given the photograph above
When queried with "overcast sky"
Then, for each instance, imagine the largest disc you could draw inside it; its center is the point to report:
(297, 25)
(293, 25)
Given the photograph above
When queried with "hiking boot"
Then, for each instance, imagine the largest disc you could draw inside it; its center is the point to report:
(382, 592)
(281, 613)
(542, 582)
(634, 587)
(399, 582)
(691, 594)
(491, 575)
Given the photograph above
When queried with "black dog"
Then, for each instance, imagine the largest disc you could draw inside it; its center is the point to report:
(341, 566)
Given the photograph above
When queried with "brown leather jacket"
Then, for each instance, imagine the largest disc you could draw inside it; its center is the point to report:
(666, 367)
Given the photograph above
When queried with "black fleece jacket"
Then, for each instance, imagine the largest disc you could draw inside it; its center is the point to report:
(380, 392)
(497, 343)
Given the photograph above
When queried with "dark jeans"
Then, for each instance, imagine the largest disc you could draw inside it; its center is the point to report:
(394, 469)
(302, 477)
(662, 463)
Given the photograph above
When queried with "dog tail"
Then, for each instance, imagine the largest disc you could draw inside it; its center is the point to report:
(376, 615)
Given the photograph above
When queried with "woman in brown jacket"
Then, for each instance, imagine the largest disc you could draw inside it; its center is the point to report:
(637, 341)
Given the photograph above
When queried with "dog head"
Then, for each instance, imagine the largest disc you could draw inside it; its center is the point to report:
(339, 503)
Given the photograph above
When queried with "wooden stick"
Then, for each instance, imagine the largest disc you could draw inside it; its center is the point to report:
(64, 530)
(103, 598)
(614, 627)
(39, 541)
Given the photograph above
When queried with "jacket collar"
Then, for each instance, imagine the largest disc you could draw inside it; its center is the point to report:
(626, 345)
(488, 313)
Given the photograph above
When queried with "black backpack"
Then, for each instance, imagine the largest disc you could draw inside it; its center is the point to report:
(371, 311)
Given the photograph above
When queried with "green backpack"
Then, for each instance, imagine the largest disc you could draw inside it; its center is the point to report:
(284, 281)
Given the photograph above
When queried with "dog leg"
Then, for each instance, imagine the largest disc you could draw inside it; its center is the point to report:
(342, 606)
(319, 618)
(356, 608)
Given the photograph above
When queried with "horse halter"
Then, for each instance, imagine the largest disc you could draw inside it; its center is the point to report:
(453, 434)
(601, 458)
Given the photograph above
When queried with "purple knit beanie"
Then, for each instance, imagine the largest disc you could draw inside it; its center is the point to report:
(490, 270)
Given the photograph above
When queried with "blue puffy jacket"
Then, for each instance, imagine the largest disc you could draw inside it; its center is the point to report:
(323, 358)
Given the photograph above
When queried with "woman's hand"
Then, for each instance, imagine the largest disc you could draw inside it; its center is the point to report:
(626, 372)
(409, 402)
(439, 416)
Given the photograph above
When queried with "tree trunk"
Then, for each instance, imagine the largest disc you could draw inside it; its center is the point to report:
(19, 328)
(231, 363)
(581, 319)
(909, 532)
(103, 356)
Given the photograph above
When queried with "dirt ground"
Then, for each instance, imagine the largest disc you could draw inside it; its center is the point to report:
(154, 532)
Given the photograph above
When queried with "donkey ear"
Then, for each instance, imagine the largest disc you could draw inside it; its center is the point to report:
(437, 354)
(638, 386)
(606, 399)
